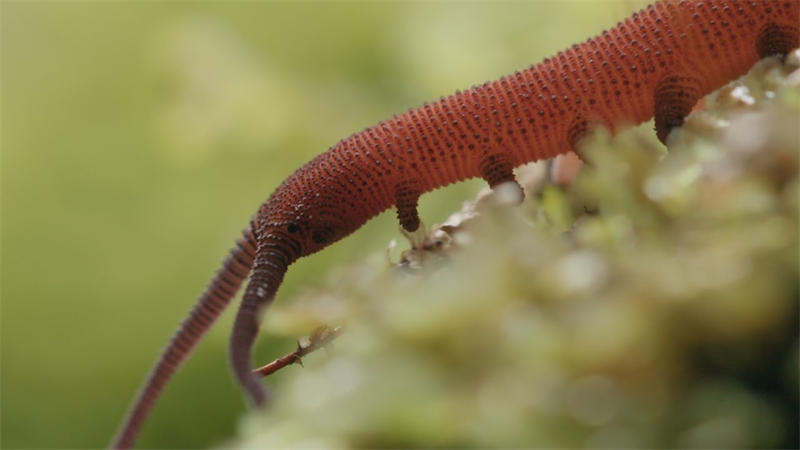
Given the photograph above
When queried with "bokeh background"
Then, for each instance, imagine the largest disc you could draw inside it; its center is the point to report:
(137, 140)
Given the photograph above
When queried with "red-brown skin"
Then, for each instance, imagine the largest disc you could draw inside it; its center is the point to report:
(658, 62)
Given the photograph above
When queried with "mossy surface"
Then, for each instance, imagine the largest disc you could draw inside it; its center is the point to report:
(652, 303)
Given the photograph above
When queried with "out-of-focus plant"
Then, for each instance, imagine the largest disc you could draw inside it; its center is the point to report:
(664, 316)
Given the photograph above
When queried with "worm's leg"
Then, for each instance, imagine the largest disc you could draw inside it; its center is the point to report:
(675, 96)
(565, 167)
(406, 196)
(497, 169)
(774, 39)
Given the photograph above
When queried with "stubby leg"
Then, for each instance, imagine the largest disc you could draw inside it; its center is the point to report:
(578, 129)
(774, 39)
(565, 167)
(406, 195)
(675, 96)
(497, 169)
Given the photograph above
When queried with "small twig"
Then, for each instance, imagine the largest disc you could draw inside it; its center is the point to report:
(321, 337)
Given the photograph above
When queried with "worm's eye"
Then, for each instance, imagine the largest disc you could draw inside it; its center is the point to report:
(292, 228)
(322, 236)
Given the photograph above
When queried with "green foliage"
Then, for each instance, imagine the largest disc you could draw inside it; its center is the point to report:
(664, 317)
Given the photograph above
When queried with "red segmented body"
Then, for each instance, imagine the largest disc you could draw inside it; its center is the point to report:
(660, 61)
(534, 114)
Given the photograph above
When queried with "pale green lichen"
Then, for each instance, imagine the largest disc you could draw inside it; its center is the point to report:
(664, 316)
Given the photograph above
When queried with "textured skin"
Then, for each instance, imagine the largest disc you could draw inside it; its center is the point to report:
(660, 62)
(208, 307)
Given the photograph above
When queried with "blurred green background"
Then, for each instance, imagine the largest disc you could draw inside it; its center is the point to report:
(137, 140)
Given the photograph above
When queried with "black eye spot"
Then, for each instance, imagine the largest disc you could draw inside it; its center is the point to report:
(292, 228)
(322, 235)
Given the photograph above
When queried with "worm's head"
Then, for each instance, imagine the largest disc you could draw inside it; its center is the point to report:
(302, 222)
